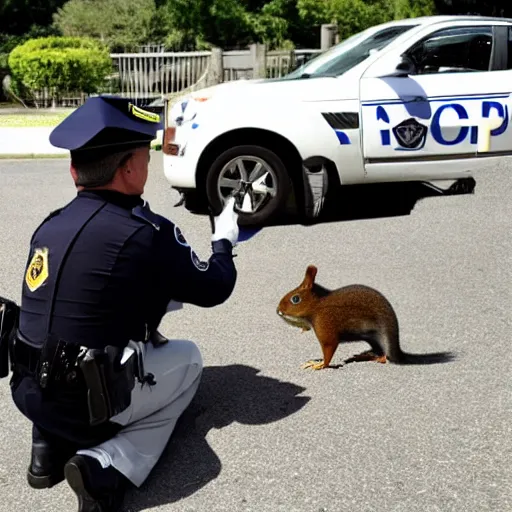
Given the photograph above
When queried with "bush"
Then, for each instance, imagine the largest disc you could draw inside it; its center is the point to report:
(60, 64)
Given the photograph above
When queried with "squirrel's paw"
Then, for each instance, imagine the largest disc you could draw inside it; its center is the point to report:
(314, 364)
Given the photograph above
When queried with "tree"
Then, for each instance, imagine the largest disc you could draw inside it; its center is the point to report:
(120, 24)
(18, 16)
(502, 8)
(353, 16)
(289, 26)
(201, 23)
(230, 24)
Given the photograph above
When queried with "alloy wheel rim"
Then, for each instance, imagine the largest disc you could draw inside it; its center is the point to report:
(249, 169)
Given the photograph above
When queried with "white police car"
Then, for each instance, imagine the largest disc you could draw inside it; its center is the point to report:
(422, 99)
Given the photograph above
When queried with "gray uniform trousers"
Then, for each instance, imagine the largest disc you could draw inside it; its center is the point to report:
(151, 418)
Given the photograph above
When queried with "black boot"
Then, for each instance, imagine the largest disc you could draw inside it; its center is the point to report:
(47, 460)
(44, 471)
(97, 489)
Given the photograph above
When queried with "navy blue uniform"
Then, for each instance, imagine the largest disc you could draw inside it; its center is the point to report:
(114, 283)
(101, 272)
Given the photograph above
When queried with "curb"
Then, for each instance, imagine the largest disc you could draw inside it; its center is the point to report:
(31, 156)
(14, 143)
(49, 156)
(27, 142)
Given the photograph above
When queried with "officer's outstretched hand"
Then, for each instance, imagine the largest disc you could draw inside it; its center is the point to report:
(226, 224)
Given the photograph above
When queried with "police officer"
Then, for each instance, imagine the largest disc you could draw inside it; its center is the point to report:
(101, 273)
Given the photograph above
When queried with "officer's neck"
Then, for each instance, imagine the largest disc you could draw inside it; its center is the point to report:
(112, 195)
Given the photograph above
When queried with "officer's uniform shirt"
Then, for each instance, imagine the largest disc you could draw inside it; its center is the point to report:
(124, 268)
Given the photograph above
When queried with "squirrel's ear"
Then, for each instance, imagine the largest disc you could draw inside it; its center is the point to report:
(309, 278)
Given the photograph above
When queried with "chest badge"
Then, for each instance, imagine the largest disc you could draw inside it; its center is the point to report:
(37, 271)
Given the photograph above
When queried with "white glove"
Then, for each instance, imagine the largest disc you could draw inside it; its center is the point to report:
(226, 224)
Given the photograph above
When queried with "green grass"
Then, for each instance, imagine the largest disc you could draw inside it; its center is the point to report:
(32, 120)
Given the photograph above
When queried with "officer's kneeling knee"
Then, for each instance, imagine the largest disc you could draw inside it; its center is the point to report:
(179, 352)
(193, 358)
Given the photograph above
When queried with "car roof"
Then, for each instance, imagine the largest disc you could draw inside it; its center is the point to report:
(439, 18)
(426, 21)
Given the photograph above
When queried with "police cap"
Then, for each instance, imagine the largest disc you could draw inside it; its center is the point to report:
(105, 125)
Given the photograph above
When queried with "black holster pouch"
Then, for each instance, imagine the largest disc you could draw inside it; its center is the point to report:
(108, 379)
(109, 382)
(57, 361)
(9, 315)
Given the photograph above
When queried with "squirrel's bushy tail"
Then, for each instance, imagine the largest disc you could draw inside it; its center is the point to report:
(432, 358)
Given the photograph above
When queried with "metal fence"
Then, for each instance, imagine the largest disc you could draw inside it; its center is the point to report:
(237, 65)
(149, 75)
(280, 63)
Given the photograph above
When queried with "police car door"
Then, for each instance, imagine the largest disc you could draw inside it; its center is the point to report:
(425, 124)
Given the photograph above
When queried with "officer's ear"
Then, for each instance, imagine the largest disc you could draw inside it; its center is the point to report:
(124, 164)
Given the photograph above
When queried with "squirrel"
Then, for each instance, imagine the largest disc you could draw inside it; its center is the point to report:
(351, 313)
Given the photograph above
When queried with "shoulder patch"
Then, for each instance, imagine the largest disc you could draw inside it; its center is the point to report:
(37, 271)
(180, 237)
(201, 265)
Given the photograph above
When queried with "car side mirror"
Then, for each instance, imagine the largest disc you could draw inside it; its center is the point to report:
(403, 69)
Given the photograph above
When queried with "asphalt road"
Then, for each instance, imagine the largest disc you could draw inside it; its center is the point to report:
(264, 435)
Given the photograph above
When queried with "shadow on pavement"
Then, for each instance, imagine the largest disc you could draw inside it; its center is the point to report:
(227, 394)
(363, 202)
(378, 200)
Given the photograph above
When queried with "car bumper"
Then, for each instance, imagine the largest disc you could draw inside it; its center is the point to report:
(180, 171)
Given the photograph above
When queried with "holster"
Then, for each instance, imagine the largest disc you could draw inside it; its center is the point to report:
(57, 360)
(9, 315)
(109, 381)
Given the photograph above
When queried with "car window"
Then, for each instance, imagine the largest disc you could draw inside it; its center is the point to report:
(509, 53)
(462, 49)
(351, 52)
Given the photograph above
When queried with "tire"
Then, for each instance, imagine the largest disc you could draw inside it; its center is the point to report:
(194, 203)
(271, 165)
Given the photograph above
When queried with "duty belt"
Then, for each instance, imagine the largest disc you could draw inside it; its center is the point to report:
(24, 357)
(54, 363)
(107, 376)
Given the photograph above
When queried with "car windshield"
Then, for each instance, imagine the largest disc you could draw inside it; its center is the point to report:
(349, 53)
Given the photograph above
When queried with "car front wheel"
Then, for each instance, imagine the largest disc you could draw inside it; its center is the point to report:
(262, 169)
